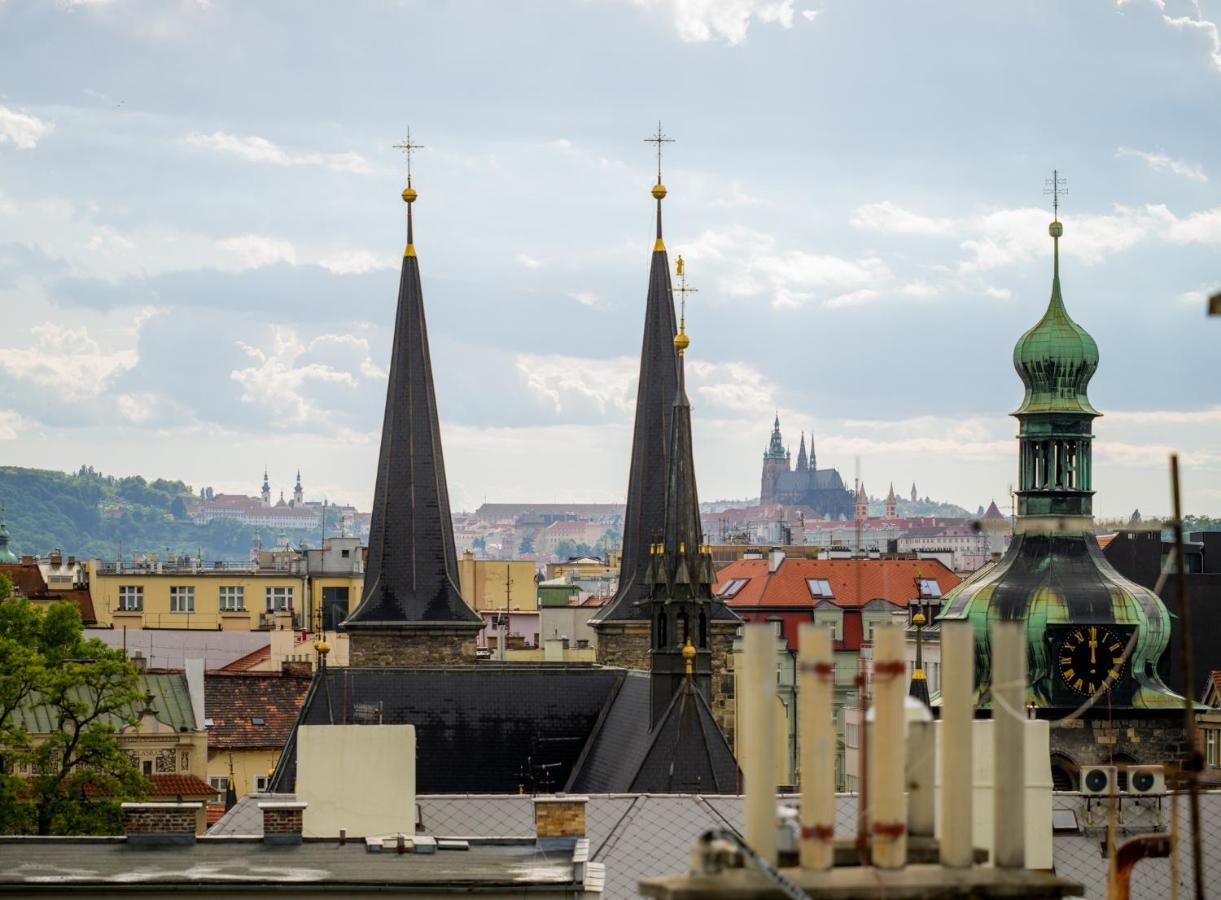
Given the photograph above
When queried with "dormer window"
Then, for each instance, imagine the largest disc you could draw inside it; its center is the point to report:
(820, 588)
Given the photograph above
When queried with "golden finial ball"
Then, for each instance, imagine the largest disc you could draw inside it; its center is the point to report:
(681, 342)
(918, 619)
(409, 195)
(1055, 229)
(659, 190)
(322, 647)
(688, 651)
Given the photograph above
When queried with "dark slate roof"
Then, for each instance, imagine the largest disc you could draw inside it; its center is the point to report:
(411, 575)
(687, 751)
(486, 728)
(618, 743)
(644, 517)
(252, 709)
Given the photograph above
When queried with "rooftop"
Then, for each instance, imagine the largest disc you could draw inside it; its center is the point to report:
(252, 709)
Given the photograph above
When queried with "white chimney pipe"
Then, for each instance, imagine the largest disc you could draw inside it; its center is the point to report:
(957, 713)
(774, 558)
(1009, 745)
(816, 671)
(757, 690)
(886, 749)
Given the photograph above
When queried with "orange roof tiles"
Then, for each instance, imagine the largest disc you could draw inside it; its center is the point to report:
(179, 786)
(252, 709)
(854, 582)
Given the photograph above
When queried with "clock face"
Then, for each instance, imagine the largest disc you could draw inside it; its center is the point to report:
(1090, 659)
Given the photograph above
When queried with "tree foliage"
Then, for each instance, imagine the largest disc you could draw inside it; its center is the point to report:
(70, 778)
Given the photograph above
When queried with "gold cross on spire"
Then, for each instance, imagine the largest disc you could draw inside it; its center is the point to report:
(408, 148)
(1054, 187)
(681, 341)
(659, 139)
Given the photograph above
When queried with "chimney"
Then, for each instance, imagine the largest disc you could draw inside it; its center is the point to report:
(138, 662)
(160, 823)
(282, 821)
(297, 667)
(775, 557)
(559, 821)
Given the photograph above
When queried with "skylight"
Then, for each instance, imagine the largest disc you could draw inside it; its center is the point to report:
(257, 720)
(820, 588)
(929, 588)
(732, 587)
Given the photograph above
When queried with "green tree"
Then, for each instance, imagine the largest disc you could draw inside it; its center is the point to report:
(71, 777)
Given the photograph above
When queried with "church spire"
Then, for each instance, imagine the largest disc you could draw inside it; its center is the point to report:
(802, 460)
(411, 610)
(643, 520)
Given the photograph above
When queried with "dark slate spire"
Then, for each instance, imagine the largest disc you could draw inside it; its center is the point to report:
(643, 518)
(802, 461)
(411, 578)
(681, 574)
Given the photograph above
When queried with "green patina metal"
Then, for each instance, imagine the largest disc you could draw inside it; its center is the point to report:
(1054, 578)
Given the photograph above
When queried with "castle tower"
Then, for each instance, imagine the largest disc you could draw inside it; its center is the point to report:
(298, 491)
(775, 461)
(892, 503)
(411, 612)
(1095, 638)
(802, 461)
(265, 493)
(862, 503)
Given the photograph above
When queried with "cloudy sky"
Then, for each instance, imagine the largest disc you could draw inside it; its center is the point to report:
(200, 232)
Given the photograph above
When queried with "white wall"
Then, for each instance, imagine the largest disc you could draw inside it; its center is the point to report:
(357, 777)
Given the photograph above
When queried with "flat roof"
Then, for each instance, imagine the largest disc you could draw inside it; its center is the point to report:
(54, 865)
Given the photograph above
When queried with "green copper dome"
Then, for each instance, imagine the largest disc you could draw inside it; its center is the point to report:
(6, 555)
(1057, 357)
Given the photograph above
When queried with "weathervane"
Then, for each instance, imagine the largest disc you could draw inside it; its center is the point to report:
(659, 139)
(1054, 187)
(408, 148)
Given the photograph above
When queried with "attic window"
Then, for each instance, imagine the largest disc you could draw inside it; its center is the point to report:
(929, 588)
(820, 588)
(257, 720)
(208, 723)
(732, 587)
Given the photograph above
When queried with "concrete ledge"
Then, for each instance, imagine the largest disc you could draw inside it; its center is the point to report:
(161, 839)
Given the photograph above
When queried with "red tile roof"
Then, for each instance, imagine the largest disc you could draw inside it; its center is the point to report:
(249, 661)
(854, 582)
(234, 700)
(216, 812)
(27, 580)
(180, 786)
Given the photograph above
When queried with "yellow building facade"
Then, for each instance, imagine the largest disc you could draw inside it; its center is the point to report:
(498, 584)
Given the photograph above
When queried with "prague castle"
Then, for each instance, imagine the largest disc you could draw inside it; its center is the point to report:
(822, 490)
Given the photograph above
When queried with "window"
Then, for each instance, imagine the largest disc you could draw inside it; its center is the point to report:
(131, 598)
(346, 553)
(850, 735)
(220, 783)
(257, 720)
(232, 599)
(820, 588)
(1210, 737)
(732, 587)
(279, 598)
(182, 599)
(261, 783)
(148, 767)
(929, 587)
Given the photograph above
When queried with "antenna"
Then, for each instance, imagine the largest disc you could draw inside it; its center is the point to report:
(1053, 187)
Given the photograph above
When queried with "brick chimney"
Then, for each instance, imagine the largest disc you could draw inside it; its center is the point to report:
(559, 821)
(282, 821)
(160, 823)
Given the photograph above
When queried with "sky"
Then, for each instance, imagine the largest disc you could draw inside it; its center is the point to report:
(201, 233)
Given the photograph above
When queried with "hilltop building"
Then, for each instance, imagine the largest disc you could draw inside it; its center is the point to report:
(260, 511)
(1095, 637)
(822, 490)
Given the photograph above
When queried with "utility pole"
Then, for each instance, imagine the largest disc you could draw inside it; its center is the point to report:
(504, 632)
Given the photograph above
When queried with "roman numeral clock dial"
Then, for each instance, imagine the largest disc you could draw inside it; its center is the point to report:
(1090, 659)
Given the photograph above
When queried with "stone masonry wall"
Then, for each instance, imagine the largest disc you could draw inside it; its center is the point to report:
(414, 647)
(622, 644)
(1147, 741)
(722, 638)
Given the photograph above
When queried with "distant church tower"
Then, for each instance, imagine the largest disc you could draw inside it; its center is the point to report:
(892, 503)
(775, 461)
(298, 492)
(266, 492)
(862, 502)
(915, 496)
(802, 463)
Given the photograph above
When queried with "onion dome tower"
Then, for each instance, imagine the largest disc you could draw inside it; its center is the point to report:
(411, 611)
(1092, 635)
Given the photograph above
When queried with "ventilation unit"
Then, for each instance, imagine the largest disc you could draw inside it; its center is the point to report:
(1099, 781)
(1146, 780)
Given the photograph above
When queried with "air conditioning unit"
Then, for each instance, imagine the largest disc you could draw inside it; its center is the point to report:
(1099, 781)
(1146, 780)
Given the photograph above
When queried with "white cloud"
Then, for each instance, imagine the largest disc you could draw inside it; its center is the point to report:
(253, 148)
(282, 376)
(251, 251)
(11, 425)
(704, 20)
(22, 130)
(809, 14)
(996, 293)
(1210, 416)
(70, 362)
(568, 381)
(354, 262)
(585, 298)
(528, 262)
(136, 408)
(734, 386)
(1160, 161)
(888, 218)
(1204, 26)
